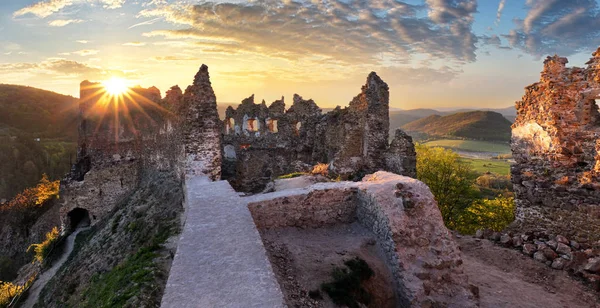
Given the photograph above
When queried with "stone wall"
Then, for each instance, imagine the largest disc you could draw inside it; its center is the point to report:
(121, 136)
(555, 145)
(316, 209)
(261, 142)
(403, 215)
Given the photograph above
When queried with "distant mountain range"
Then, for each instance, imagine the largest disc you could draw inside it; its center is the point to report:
(399, 118)
(478, 125)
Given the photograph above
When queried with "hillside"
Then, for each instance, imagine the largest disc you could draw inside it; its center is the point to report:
(42, 113)
(479, 125)
(38, 134)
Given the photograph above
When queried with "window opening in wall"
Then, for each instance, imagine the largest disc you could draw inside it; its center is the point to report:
(252, 125)
(297, 127)
(272, 125)
(230, 125)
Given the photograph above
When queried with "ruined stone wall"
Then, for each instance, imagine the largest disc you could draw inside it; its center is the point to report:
(401, 212)
(201, 128)
(555, 146)
(261, 142)
(120, 137)
(316, 209)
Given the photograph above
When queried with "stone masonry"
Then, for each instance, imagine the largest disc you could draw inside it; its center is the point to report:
(402, 214)
(555, 143)
(201, 128)
(262, 142)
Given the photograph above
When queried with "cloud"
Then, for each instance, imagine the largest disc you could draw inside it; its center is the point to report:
(418, 75)
(147, 22)
(112, 4)
(64, 22)
(135, 44)
(46, 8)
(59, 67)
(552, 26)
(82, 41)
(175, 58)
(499, 12)
(85, 52)
(348, 31)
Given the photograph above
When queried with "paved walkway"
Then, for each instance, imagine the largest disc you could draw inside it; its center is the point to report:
(220, 259)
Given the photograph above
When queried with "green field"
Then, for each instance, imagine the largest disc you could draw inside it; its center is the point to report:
(497, 166)
(471, 145)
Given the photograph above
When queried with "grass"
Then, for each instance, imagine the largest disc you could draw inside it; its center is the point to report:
(127, 280)
(482, 166)
(471, 145)
(292, 175)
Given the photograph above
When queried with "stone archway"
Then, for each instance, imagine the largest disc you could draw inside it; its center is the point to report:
(78, 218)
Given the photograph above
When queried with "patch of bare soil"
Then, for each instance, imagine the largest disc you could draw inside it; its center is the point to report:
(303, 259)
(507, 278)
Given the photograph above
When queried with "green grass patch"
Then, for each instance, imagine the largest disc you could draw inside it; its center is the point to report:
(127, 280)
(346, 289)
(482, 166)
(292, 175)
(471, 145)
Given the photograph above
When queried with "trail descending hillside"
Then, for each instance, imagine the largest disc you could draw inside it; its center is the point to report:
(42, 280)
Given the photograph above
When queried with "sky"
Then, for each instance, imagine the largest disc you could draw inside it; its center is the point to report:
(432, 53)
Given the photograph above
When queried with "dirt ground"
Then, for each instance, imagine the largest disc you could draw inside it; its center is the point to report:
(304, 258)
(507, 278)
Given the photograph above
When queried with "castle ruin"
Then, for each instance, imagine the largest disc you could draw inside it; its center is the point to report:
(221, 246)
(262, 142)
(556, 146)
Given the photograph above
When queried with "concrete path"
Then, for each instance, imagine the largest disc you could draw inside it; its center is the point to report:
(220, 259)
(42, 280)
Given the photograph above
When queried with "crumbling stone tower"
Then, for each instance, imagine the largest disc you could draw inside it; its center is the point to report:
(201, 128)
(555, 143)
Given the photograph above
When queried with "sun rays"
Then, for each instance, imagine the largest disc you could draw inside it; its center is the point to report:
(113, 105)
(115, 86)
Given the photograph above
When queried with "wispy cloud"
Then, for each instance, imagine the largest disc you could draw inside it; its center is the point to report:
(86, 52)
(499, 12)
(352, 32)
(135, 44)
(147, 22)
(46, 8)
(64, 22)
(82, 41)
(563, 27)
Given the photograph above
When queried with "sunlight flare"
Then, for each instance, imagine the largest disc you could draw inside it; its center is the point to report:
(115, 86)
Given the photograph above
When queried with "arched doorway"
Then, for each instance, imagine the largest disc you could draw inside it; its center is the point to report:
(78, 218)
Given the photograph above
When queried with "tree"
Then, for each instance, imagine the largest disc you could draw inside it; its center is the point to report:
(493, 214)
(450, 180)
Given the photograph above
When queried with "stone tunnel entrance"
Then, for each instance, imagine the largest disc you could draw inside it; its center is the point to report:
(78, 218)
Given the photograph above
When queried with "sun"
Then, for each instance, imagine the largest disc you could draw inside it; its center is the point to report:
(115, 86)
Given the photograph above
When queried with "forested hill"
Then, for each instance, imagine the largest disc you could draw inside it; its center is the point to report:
(38, 134)
(43, 113)
(479, 125)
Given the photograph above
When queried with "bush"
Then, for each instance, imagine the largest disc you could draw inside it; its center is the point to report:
(494, 214)
(451, 181)
(8, 291)
(43, 249)
(320, 168)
